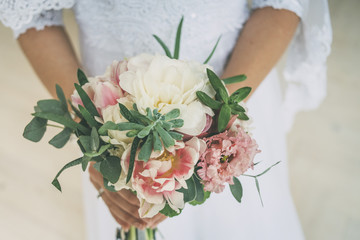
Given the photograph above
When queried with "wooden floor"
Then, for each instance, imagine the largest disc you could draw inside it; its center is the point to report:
(323, 149)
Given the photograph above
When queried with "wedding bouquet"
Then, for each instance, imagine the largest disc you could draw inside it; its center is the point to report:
(164, 128)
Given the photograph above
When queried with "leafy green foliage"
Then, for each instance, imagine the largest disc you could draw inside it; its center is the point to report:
(235, 79)
(178, 38)
(110, 168)
(146, 149)
(190, 192)
(208, 101)
(240, 94)
(212, 52)
(61, 138)
(224, 117)
(133, 150)
(35, 130)
(55, 182)
(88, 104)
(236, 189)
(169, 212)
(60, 94)
(163, 45)
(90, 120)
(82, 77)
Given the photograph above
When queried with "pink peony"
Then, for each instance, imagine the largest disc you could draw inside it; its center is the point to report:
(157, 180)
(228, 154)
(103, 93)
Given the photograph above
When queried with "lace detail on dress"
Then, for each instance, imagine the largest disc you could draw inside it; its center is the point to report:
(17, 13)
(305, 71)
(40, 21)
(127, 26)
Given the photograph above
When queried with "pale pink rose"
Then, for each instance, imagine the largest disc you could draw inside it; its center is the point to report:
(157, 180)
(103, 93)
(115, 69)
(229, 154)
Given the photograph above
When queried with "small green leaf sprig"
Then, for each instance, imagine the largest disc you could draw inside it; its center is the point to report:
(225, 104)
(150, 131)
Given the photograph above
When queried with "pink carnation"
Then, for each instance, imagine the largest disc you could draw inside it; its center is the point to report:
(228, 154)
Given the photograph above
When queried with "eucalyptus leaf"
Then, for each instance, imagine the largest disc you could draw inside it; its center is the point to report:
(84, 162)
(212, 52)
(51, 106)
(207, 100)
(119, 126)
(133, 150)
(146, 149)
(235, 79)
(61, 138)
(107, 187)
(224, 117)
(110, 168)
(88, 104)
(200, 195)
(55, 182)
(163, 45)
(86, 143)
(236, 189)
(177, 40)
(190, 191)
(102, 149)
(60, 94)
(82, 77)
(240, 94)
(76, 111)
(35, 130)
(97, 166)
(66, 121)
(169, 212)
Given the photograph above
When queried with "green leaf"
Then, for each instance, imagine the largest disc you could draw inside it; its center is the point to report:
(268, 169)
(176, 135)
(76, 111)
(94, 140)
(102, 149)
(51, 106)
(88, 117)
(97, 166)
(163, 45)
(133, 150)
(132, 133)
(223, 95)
(169, 212)
(215, 80)
(243, 116)
(61, 138)
(88, 104)
(240, 94)
(165, 136)
(175, 113)
(190, 192)
(207, 100)
(110, 168)
(200, 195)
(258, 189)
(55, 182)
(107, 187)
(139, 118)
(166, 125)
(213, 50)
(86, 143)
(236, 189)
(206, 196)
(146, 149)
(84, 162)
(35, 130)
(145, 131)
(149, 114)
(119, 127)
(157, 142)
(177, 40)
(237, 108)
(81, 77)
(126, 113)
(66, 121)
(224, 117)
(177, 123)
(60, 94)
(235, 79)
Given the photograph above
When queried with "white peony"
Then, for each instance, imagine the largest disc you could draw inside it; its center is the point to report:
(164, 83)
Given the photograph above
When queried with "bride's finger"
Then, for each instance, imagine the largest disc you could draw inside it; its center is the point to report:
(124, 204)
(156, 220)
(122, 212)
(130, 197)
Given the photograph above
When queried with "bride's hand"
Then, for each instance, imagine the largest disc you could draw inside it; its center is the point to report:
(123, 205)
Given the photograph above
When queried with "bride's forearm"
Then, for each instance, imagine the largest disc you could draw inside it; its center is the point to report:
(261, 43)
(52, 57)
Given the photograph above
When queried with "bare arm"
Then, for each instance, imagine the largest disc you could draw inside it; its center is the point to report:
(52, 57)
(261, 43)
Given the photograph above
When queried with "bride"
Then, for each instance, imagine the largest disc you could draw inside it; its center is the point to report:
(254, 37)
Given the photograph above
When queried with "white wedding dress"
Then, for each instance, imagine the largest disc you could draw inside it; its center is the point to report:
(114, 29)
